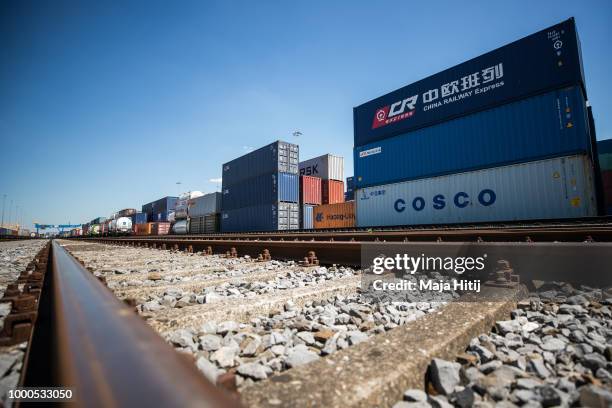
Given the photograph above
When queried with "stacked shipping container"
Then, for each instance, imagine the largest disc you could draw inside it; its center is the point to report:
(310, 196)
(350, 189)
(158, 210)
(330, 169)
(261, 190)
(604, 150)
(463, 145)
(204, 214)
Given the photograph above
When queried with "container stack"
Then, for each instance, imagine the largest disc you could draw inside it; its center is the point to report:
(204, 214)
(330, 169)
(310, 196)
(261, 190)
(179, 218)
(604, 150)
(492, 139)
(138, 218)
(158, 210)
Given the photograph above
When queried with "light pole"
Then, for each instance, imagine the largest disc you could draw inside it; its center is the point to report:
(3, 202)
(10, 212)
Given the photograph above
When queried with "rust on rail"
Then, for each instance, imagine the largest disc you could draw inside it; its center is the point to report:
(96, 344)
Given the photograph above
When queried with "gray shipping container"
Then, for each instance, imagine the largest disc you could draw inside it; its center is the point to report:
(546, 189)
(268, 217)
(207, 224)
(306, 218)
(326, 167)
(204, 205)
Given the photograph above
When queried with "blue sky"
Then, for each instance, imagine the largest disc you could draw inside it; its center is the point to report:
(106, 105)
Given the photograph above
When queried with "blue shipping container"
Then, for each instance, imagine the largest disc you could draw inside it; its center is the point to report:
(139, 218)
(268, 217)
(306, 216)
(543, 126)
(350, 189)
(546, 60)
(161, 205)
(264, 189)
(275, 157)
(158, 217)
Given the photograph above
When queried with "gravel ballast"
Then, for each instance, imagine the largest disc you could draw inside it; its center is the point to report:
(14, 259)
(556, 350)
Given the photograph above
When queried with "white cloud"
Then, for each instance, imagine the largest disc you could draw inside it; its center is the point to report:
(215, 180)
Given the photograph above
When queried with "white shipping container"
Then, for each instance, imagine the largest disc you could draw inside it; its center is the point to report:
(327, 167)
(545, 189)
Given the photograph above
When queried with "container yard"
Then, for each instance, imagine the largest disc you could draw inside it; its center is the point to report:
(465, 263)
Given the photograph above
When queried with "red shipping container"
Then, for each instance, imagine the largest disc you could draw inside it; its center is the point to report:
(310, 190)
(160, 228)
(333, 191)
(606, 177)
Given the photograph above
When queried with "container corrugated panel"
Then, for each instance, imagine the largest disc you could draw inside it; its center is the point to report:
(262, 189)
(307, 216)
(545, 189)
(605, 161)
(269, 217)
(604, 146)
(327, 167)
(139, 218)
(333, 191)
(143, 229)
(546, 60)
(273, 158)
(160, 228)
(310, 190)
(541, 127)
(196, 225)
(212, 223)
(206, 204)
(341, 215)
(162, 205)
(158, 217)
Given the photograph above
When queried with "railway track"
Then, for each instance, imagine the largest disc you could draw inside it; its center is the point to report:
(599, 229)
(272, 332)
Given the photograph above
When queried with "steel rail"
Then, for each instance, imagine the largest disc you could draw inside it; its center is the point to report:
(535, 260)
(543, 234)
(99, 347)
